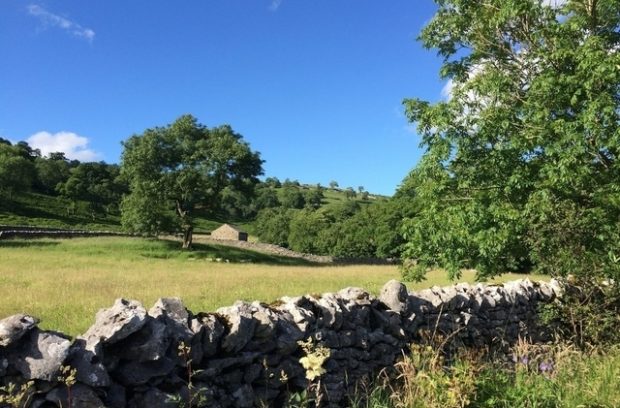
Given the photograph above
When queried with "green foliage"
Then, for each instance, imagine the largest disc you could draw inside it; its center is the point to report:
(588, 313)
(17, 172)
(180, 166)
(314, 198)
(266, 197)
(521, 162)
(291, 197)
(272, 225)
(50, 174)
(97, 183)
(305, 228)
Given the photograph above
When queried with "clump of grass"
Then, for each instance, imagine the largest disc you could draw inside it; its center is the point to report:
(540, 376)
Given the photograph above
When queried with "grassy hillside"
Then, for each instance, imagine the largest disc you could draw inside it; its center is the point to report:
(65, 282)
(49, 211)
(42, 210)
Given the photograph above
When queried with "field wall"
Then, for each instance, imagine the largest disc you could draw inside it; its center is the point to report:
(249, 354)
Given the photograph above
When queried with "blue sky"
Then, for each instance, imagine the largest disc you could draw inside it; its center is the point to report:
(315, 86)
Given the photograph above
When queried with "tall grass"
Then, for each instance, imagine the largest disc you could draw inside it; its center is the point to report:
(559, 376)
(65, 282)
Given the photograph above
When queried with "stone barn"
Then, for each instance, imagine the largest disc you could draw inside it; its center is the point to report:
(229, 232)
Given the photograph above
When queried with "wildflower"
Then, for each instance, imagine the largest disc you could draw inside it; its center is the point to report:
(313, 361)
(313, 364)
(546, 367)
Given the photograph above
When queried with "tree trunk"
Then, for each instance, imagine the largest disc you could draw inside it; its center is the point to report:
(187, 237)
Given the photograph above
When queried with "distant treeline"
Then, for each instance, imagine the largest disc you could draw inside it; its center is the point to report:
(315, 219)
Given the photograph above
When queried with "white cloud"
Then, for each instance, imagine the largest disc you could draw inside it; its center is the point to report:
(448, 88)
(74, 146)
(49, 19)
(275, 5)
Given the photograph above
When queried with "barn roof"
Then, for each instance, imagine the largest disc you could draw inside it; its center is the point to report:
(228, 226)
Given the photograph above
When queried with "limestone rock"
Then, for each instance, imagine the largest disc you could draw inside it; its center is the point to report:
(40, 355)
(81, 396)
(133, 373)
(394, 295)
(173, 313)
(209, 331)
(88, 364)
(241, 326)
(147, 344)
(14, 327)
(116, 323)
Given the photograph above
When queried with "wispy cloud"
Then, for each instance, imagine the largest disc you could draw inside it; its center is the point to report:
(72, 145)
(49, 19)
(275, 5)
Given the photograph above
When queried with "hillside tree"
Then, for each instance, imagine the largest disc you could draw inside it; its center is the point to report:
(175, 168)
(521, 165)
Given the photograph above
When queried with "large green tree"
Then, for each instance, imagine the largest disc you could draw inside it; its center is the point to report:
(17, 172)
(521, 164)
(175, 168)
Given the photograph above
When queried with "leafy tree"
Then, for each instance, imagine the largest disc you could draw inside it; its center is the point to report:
(360, 189)
(272, 182)
(266, 198)
(180, 166)
(314, 198)
(26, 151)
(291, 197)
(272, 225)
(51, 172)
(236, 204)
(521, 160)
(342, 210)
(333, 184)
(16, 171)
(305, 228)
(365, 195)
(96, 183)
(349, 193)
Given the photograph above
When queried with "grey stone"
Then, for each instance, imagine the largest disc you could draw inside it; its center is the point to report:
(394, 295)
(88, 364)
(355, 297)
(209, 331)
(241, 326)
(266, 321)
(147, 344)
(116, 323)
(329, 313)
(14, 327)
(300, 310)
(244, 396)
(40, 355)
(115, 396)
(81, 396)
(134, 373)
(153, 398)
(174, 315)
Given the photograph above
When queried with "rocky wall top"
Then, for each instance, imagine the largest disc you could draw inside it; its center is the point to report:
(250, 354)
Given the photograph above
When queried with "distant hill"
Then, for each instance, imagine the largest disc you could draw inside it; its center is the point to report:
(41, 210)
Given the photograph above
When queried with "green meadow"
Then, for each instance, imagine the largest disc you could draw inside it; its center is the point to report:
(64, 282)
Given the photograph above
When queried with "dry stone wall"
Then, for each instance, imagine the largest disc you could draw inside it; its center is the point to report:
(248, 354)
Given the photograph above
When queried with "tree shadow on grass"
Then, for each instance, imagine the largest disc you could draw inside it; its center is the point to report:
(26, 243)
(223, 253)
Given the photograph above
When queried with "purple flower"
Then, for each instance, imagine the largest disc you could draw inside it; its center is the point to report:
(546, 367)
(524, 360)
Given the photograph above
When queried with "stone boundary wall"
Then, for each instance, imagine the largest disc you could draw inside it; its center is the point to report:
(8, 231)
(248, 354)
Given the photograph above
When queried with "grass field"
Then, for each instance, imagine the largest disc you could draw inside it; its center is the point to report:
(65, 282)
